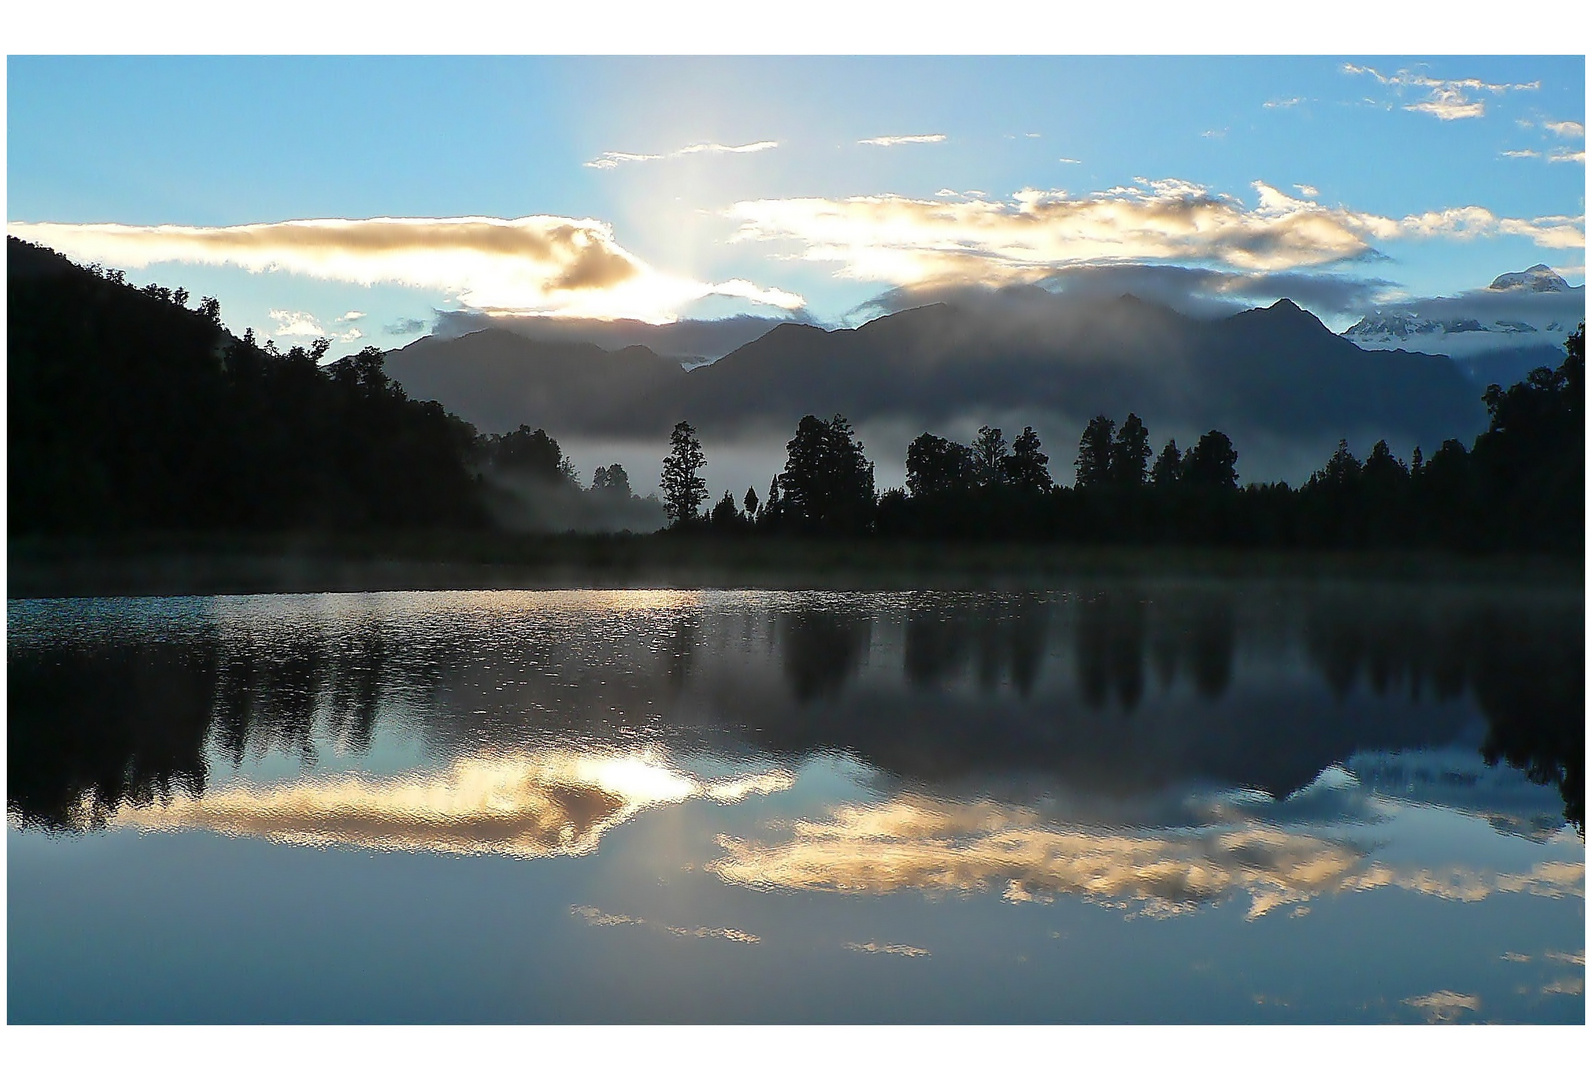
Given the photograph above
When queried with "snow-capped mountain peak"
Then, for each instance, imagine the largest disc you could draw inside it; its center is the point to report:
(1495, 334)
(1537, 278)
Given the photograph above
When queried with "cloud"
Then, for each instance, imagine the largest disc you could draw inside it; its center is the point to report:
(1568, 155)
(939, 845)
(916, 241)
(531, 265)
(405, 326)
(899, 140)
(598, 917)
(295, 324)
(687, 339)
(301, 324)
(1449, 324)
(1446, 99)
(1520, 154)
(1283, 103)
(1214, 134)
(1069, 161)
(1306, 190)
(888, 950)
(1566, 129)
(1449, 105)
(612, 159)
(1444, 1006)
(528, 806)
(1197, 291)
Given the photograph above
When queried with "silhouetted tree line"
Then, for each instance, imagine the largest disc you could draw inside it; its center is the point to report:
(130, 411)
(1520, 486)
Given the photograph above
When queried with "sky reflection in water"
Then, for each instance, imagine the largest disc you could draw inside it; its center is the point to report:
(910, 806)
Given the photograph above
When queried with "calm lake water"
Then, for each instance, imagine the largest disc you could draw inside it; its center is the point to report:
(1206, 803)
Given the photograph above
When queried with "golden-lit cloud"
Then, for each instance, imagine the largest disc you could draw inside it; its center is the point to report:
(936, 845)
(1568, 155)
(908, 241)
(1566, 129)
(612, 159)
(523, 806)
(900, 140)
(531, 265)
(1446, 99)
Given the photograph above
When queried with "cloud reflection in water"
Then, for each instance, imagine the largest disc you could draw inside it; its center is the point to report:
(519, 805)
(939, 845)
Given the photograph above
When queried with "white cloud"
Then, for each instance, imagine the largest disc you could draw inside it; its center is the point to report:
(1446, 99)
(1031, 135)
(610, 159)
(1283, 103)
(1568, 155)
(301, 324)
(917, 241)
(1449, 105)
(1520, 154)
(291, 324)
(1306, 190)
(532, 265)
(1069, 161)
(898, 140)
(1214, 134)
(1566, 129)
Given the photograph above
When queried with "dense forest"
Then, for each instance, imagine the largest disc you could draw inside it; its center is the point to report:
(131, 411)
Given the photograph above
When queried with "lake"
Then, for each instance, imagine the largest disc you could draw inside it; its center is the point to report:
(1253, 802)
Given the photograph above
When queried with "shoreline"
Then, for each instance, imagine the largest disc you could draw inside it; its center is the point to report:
(211, 566)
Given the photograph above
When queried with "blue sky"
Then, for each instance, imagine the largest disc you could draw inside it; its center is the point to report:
(671, 187)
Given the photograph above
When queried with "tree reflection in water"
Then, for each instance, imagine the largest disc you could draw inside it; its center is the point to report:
(1157, 683)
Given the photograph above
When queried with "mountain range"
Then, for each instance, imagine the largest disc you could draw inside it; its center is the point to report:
(1495, 335)
(1277, 380)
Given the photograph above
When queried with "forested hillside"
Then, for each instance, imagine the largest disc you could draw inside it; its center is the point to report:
(129, 410)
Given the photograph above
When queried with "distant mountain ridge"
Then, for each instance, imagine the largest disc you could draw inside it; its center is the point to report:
(1495, 335)
(1276, 372)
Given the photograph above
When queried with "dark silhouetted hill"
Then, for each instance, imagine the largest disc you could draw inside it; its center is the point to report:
(129, 411)
(498, 379)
